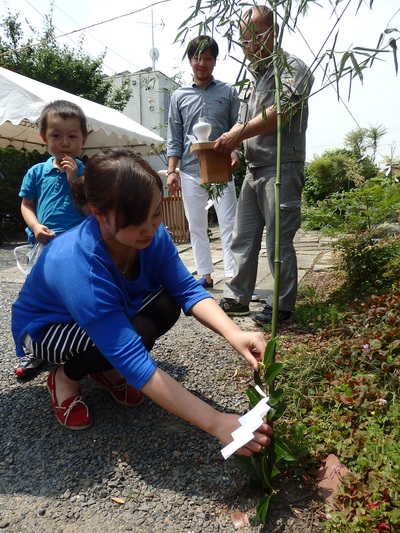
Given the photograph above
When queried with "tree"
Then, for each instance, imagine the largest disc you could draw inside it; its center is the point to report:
(342, 169)
(375, 135)
(334, 171)
(356, 141)
(364, 141)
(59, 66)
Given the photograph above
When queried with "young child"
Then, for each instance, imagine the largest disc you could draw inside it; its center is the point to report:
(132, 288)
(47, 205)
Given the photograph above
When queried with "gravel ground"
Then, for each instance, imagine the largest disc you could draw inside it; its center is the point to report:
(140, 469)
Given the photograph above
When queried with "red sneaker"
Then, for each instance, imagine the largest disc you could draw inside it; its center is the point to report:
(73, 413)
(121, 391)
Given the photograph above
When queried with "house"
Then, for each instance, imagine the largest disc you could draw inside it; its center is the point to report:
(149, 103)
(149, 106)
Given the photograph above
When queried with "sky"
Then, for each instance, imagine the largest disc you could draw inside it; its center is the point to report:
(129, 30)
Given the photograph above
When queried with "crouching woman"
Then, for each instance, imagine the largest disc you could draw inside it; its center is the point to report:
(102, 293)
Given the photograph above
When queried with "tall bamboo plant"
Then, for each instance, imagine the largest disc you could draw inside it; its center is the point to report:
(223, 17)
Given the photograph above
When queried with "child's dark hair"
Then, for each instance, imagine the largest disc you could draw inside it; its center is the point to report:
(119, 180)
(201, 43)
(64, 109)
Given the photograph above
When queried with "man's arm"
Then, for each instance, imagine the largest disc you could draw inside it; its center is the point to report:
(172, 176)
(265, 122)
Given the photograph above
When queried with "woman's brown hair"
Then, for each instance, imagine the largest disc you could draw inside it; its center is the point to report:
(119, 180)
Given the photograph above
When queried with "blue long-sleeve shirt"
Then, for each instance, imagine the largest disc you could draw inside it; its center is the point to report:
(75, 279)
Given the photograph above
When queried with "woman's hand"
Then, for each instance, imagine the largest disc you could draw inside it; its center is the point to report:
(250, 344)
(229, 423)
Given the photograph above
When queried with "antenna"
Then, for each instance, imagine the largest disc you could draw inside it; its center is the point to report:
(154, 53)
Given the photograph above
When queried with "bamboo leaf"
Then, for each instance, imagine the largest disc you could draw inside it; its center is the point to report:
(356, 67)
(272, 371)
(337, 78)
(278, 412)
(271, 414)
(244, 463)
(342, 65)
(282, 451)
(363, 49)
(335, 40)
(274, 471)
(350, 84)
(263, 506)
(396, 65)
(248, 465)
(391, 30)
(269, 355)
(267, 461)
(276, 397)
(393, 44)
(253, 395)
(257, 380)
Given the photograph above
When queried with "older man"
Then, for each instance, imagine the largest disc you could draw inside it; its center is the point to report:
(257, 131)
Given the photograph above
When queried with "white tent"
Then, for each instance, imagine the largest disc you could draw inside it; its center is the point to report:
(22, 100)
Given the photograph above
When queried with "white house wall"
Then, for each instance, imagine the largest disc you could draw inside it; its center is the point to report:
(149, 102)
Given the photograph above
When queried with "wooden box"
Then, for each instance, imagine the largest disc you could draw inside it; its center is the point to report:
(214, 167)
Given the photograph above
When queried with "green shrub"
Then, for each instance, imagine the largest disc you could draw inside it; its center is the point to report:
(365, 207)
(370, 261)
(13, 166)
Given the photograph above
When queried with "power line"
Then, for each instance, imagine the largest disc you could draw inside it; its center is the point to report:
(115, 18)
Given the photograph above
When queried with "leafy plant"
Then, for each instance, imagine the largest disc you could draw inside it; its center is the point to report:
(370, 260)
(214, 190)
(363, 208)
(262, 468)
(334, 171)
(344, 389)
(13, 166)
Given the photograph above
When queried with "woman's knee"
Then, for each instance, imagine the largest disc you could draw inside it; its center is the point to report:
(166, 311)
(161, 314)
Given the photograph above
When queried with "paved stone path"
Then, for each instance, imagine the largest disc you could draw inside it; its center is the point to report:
(313, 250)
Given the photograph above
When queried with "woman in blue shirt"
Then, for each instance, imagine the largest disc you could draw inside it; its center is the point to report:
(102, 293)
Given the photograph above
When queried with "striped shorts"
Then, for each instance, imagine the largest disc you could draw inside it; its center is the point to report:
(62, 342)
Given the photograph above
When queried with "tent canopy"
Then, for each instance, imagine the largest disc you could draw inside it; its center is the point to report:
(22, 100)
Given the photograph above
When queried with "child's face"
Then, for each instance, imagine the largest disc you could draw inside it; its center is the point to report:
(63, 137)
